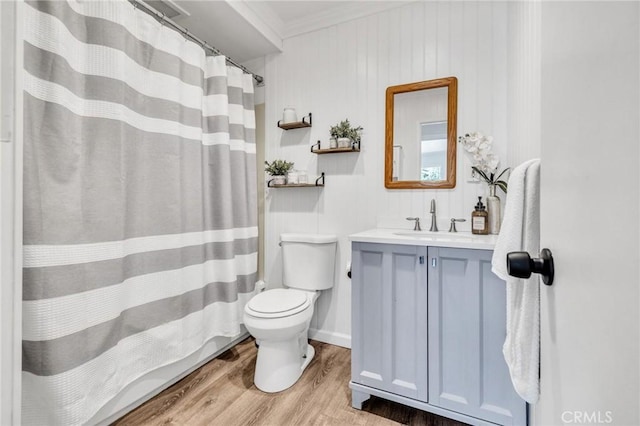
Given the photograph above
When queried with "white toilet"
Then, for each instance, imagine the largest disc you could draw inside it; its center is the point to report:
(279, 318)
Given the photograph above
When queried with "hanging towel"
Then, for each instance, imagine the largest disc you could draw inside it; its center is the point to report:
(521, 232)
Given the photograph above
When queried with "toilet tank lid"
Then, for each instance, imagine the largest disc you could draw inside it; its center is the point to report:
(309, 238)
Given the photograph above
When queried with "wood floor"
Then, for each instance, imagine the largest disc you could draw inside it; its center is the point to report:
(222, 393)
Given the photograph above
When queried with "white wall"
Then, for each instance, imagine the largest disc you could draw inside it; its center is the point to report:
(524, 74)
(342, 72)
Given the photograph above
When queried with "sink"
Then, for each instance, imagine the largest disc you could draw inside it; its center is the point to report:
(416, 234)
(461, 239)
(429, 234)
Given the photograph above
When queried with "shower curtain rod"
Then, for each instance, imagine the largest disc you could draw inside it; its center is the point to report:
(161, 17)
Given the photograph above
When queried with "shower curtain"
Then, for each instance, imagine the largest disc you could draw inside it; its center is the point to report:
(140, 217)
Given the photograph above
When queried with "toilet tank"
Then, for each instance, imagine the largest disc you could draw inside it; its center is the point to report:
(308, 260)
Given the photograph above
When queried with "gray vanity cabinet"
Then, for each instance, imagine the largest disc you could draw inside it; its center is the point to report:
(428, 326)
(467, 327)
(389, 318)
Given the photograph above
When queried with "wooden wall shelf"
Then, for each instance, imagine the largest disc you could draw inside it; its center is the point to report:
(319, 182)
(315, 148)
(306, 122)
(334, 150)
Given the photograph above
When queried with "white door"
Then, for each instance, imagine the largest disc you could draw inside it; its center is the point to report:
(10, 217)
(590, 213)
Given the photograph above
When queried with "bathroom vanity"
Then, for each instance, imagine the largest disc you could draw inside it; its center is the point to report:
(428, 324)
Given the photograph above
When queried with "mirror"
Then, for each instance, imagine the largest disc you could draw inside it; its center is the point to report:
(420, 147)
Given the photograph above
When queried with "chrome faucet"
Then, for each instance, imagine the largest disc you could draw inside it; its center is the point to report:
(416, 227)
(452, 228)
(434, 224)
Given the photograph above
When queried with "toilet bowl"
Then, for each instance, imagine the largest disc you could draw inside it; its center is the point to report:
(279, 318)
(281, 333)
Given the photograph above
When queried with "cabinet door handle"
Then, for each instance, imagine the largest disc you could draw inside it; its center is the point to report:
(434, 262)
(421, 259)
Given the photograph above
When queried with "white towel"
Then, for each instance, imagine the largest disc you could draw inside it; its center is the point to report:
(520, 231)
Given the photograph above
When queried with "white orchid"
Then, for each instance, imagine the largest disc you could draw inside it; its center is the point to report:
(485, 162)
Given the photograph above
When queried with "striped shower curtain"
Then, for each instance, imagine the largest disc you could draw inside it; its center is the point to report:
(140, 217)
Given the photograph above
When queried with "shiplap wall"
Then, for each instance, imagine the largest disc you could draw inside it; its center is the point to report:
(524, 81)
(342, 72)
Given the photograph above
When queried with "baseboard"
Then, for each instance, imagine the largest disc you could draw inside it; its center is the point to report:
(331, 337)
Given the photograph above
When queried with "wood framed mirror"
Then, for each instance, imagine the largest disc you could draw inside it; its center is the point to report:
(420, 143)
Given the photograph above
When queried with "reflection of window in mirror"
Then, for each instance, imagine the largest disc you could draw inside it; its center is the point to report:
(433, 144)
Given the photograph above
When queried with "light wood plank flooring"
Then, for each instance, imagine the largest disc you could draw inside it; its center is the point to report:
(222, 393)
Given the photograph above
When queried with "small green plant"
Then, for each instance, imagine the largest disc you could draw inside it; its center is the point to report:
(278, 167)
(344, 130)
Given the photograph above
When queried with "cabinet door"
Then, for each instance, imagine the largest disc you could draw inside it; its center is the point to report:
(389, 318)
(467, 314)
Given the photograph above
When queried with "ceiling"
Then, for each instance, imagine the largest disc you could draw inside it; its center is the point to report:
(289, 11)
(249, 29)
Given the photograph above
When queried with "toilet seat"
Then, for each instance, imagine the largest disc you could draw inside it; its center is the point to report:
(278, 303)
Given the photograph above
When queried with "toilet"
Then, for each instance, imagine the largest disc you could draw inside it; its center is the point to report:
(279, 318)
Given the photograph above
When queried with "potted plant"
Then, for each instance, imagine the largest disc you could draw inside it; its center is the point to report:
(485, 161)
(479, 147)
(345, 134)
(278, 169)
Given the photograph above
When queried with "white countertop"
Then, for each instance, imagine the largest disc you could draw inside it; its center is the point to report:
(426, 238)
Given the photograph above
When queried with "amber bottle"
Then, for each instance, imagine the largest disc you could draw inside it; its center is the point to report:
(480, 219)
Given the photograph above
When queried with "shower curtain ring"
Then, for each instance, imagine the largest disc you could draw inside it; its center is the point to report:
(186, 34)
(162, 19)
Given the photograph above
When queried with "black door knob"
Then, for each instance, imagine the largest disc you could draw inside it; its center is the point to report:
(521, 265)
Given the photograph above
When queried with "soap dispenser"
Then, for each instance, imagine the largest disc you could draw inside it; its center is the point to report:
(480, 219)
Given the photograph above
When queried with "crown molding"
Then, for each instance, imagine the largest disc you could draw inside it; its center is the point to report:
(347, 12)
(265, 20)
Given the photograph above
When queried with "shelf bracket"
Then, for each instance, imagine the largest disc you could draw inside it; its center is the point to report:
(318, 183)
(315, 145)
